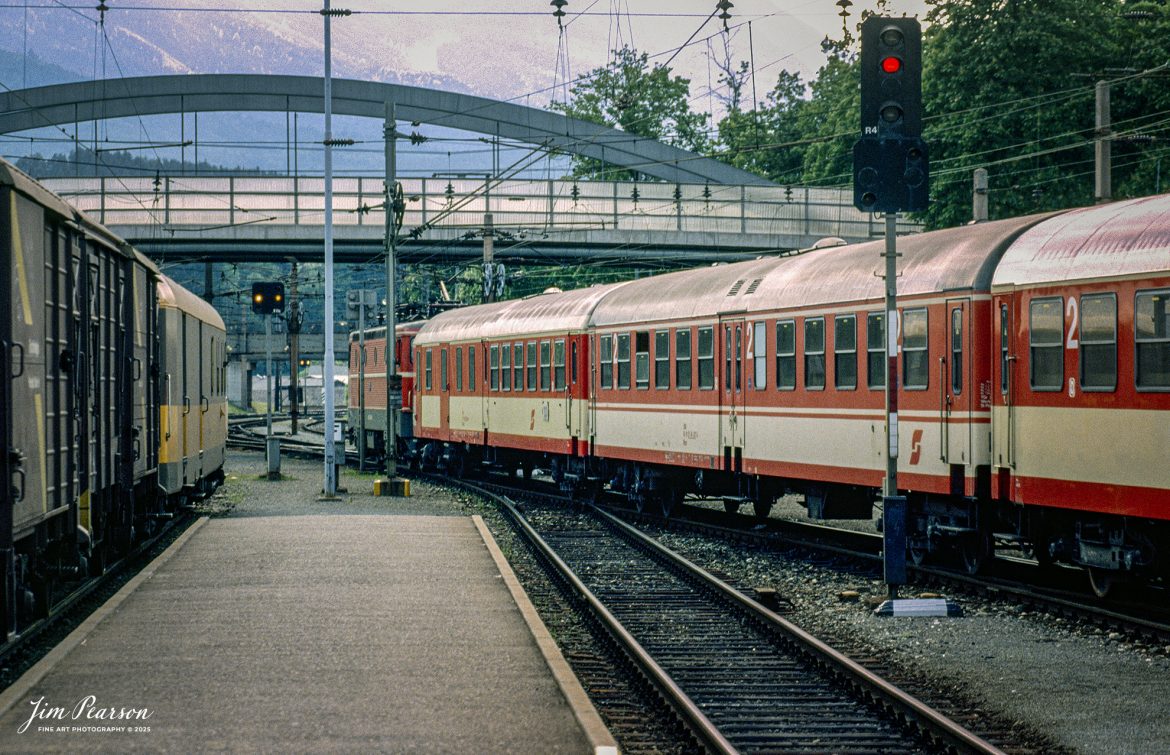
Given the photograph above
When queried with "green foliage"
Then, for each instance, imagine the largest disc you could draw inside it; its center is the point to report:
(769, 140)
(1001, 91)
(640, 99)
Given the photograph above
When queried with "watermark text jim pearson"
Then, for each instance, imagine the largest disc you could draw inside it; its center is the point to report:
(86, 708)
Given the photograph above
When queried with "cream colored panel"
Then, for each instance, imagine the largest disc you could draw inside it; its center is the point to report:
(430, 411)
(466, 413)
(536, 416)
(666, 430)
(1094, 445)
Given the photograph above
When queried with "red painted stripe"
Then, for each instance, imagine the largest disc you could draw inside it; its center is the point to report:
(1104, 498)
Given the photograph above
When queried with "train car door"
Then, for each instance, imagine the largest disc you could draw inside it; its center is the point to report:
(1004, 388)
(574, 409)
(444, 392)
(732, 341)
(956, 405)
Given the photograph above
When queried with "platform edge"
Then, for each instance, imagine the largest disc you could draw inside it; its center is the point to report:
(598, 734)
(29, 679)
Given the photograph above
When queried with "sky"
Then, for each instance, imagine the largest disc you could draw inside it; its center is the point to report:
(502, 49)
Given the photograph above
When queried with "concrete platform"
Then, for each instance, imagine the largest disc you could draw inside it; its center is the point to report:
(354, 633)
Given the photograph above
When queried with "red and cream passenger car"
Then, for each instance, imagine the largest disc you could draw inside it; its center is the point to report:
(508, 382)
(1034, 360)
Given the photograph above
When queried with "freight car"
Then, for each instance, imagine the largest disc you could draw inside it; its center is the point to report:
(100, 376)
(375, 387)
(1034, 394)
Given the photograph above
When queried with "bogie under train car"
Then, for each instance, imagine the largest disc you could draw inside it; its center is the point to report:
(82, 406)
(1034, 396)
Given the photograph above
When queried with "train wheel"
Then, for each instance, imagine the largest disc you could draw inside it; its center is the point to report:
(974, 552)
(1101, 581)
(731, 506)
(762, 508)
(669, 499)
(918, 554)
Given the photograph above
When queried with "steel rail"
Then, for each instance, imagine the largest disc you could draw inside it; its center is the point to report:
(927, 717)
(700, 725)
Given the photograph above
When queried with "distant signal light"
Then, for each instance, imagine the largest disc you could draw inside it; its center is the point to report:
(891, 64)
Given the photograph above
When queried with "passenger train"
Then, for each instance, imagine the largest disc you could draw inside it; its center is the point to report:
(1034, 395)
(114, 407)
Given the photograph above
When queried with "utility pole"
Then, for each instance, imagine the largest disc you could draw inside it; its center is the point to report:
(979, 196)
(330, 486)
(489, 283)
(1103, 149)
(294, 355)
(393, 196)
(361, 313)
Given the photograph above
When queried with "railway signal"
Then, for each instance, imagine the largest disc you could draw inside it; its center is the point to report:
(267, 297)
(891, 172)
(891, 167)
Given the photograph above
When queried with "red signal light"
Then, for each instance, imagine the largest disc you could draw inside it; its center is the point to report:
(891, 64)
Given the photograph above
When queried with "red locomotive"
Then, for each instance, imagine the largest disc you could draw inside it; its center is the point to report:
(375, 385)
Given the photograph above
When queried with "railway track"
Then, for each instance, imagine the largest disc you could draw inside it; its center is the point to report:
(739, 676)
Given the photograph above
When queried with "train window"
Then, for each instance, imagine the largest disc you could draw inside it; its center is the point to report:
(459, 369)
(1098, 342)
(814, 353)
(517, 366)
(682, 359)
(1003, 349)
(606, 358)
(875, 350)
(1046, 336)
(573, 363)
(738, 357)
(957, 351)
(471, 368)
(760, 354)
(545, 363)
(1152, 339)
(706, 354)
(429, 354)
(845, 352)
(727, 358)
(505, 367)
(662, 359)
(559, 365)
(623, 360)
(786, 355)
(530, 382)
(915, 350)
(494, 367)
(443, 386)
(642, 359)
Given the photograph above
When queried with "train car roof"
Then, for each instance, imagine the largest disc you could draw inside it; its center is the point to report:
(690, 293)
(380, 332)
(558, 312)
(25, 184)
(956, 260)
(174, 296)
(1108, 241)
(20, 181)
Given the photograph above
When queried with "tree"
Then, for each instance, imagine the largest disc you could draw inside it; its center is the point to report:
(1008, 85)
(769, 141)
(640, 99)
